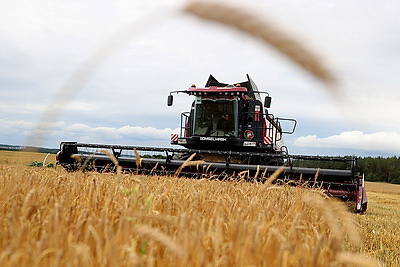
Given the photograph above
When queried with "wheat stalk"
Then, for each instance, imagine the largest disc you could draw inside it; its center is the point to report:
(247, 22)
(316, 177)
(188, 163)
(257, 172)
(76, 157)
(138, 158)
(113, 159)
(352, 259)
(157, 235)
(272, 178)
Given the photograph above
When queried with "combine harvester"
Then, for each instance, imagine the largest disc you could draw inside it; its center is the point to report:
(227, 133)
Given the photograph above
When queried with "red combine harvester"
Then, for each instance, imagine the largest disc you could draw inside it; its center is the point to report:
(232, 134)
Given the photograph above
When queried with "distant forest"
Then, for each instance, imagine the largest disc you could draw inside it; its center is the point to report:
(376, 169)
(36, 149)
(379, 169)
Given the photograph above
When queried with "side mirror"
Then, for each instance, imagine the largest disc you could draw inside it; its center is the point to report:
(267, 102)
(170, 100)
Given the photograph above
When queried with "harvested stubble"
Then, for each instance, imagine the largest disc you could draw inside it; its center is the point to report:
(379, 228)
(53, 218)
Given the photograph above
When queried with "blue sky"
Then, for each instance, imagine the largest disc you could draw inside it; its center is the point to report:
(44, 43)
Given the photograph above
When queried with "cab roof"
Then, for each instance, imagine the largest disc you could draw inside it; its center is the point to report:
(214, 90)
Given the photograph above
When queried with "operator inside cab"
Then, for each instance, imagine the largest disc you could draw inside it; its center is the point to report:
(215, 118)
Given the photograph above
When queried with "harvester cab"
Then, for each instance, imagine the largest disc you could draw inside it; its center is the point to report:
(230, 117)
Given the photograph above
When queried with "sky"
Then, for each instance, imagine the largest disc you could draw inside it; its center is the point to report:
(45, 46)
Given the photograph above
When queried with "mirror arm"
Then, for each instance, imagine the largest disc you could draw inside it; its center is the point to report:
(170, 98)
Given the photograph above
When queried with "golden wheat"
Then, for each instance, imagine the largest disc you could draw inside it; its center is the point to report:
(189, 162)
(113, 160)
(138, 158)
(50, 217)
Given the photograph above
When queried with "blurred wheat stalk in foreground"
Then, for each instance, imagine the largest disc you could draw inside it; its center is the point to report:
(266, 31)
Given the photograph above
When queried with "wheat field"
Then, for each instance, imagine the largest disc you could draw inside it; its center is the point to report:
(54, 218)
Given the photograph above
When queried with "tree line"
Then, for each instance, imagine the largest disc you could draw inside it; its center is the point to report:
(375, 169)
(28, 148)
(380, 169)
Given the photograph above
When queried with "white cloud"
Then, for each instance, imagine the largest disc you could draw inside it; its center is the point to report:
(379, 141)
(23, 107)
(125, 135)
(131, 132)
(14, 131)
